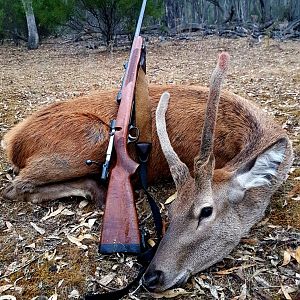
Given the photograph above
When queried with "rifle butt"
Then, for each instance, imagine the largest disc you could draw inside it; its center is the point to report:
(120, 229)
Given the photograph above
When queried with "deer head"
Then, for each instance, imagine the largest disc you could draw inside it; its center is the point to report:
(214, 208)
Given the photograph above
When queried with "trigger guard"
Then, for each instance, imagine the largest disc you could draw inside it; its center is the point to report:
(132, 138)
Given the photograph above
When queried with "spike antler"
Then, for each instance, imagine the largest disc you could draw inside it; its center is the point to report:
(205, 159)
(178, 169)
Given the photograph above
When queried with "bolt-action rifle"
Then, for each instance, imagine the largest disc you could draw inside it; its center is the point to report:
(120, 229)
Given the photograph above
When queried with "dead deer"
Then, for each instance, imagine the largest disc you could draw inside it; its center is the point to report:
(217, 205)
(244, 157)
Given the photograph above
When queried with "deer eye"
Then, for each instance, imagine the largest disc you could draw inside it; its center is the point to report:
(206, 212)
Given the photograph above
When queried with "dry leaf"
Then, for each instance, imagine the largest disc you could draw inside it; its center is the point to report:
(83, 204)
(297, 255)
(243, 294)
(151, 243)
(263, 222)
(8, 225)
(87, 215)
(86, 236)
(12, 267)
(91, 222)
(74, 295)
(129, 264)
(285, 293)
(40, 230)
(18, 289)
(119, 281)
(54, 297)
(60, 283)
(77, 242)
(6, 287)
(295, 190)
(252, 242)
(9, 177)
(214, 292)
(67, 212)
(49, 256)
(263, 282)
(131, 296)
(170, 293)
(54, 213)
(291, 289)
(32, 246)
(105, 280)
(231, 270)
(286, 258)
(8, 297)
(273, 226)
(171, 198)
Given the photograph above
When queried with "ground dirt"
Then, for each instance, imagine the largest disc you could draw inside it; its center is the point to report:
(49, 251)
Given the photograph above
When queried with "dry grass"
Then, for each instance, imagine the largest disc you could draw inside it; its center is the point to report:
(268, 75)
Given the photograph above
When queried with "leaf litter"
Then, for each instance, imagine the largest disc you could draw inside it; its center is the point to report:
(49, 251)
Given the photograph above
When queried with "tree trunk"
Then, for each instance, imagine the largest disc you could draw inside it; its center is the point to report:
(170, 14)
(263, 11)
(244, 11)
(33, 36)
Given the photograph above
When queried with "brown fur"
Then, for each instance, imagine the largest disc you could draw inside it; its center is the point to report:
(52, 144)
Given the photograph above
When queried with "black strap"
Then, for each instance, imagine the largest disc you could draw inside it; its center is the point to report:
(156, 215)
(118, 294)
(143, 150)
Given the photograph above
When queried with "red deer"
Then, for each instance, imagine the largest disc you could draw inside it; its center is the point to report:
(240, 161)
(216, 206)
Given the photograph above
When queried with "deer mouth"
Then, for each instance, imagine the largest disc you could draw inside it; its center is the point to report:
(154, 284)
(181, 279)
(178, 281)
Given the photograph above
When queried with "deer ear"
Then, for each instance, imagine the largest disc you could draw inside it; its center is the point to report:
(261, 170)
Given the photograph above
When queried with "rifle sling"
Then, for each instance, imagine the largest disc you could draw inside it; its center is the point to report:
(143, 151)
(118, 294)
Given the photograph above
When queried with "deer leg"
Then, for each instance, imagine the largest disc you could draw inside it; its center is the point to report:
(45, 170)
(86, 188)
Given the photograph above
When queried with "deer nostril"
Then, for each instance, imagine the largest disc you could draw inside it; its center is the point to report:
(152, 279)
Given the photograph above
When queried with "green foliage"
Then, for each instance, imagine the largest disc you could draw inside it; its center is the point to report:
(52, 13)
(1, 24)
(104, 16)
(12, 18)
(48, 13)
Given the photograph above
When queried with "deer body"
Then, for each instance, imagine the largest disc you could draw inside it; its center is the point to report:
(52, 144)
(220, 195)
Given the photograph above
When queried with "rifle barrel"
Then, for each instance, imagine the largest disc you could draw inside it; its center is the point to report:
(140, 21)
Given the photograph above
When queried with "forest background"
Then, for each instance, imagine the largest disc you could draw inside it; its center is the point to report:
(31, 21)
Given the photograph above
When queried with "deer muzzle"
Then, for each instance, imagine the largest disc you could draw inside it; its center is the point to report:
(155, 280)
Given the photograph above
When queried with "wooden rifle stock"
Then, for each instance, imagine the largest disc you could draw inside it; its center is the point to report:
(120, 230)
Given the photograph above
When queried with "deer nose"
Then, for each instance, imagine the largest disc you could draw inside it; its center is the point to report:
(152, 279)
